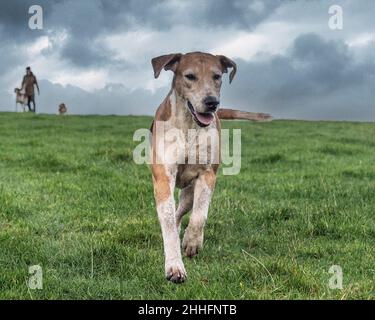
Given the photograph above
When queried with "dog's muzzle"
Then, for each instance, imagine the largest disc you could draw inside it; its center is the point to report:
(203, 119)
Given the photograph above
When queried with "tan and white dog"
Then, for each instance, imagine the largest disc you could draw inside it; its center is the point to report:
(21, 98)
(192, 103)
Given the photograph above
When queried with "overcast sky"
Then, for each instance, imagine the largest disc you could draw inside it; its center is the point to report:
(94, 55)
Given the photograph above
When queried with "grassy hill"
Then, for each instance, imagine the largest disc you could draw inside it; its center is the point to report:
(73, 201)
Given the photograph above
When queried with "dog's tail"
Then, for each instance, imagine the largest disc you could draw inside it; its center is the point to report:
(230, 114)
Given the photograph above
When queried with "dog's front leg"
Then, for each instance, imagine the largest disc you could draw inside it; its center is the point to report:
(193, 237)
(164, 183)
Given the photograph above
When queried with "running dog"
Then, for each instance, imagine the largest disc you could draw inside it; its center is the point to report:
(192, 103)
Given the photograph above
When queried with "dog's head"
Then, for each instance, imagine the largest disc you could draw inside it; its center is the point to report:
(197, 79)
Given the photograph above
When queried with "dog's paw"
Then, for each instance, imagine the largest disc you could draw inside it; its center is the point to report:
(175, 271)
(191, 244)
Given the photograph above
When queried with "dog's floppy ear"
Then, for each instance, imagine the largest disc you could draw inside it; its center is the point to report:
(168, 62)
(228, 63)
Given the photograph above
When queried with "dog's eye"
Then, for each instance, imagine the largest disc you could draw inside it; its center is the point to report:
(217, 76)
(190, 77)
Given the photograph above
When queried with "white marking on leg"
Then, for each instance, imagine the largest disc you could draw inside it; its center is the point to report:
(174, 267)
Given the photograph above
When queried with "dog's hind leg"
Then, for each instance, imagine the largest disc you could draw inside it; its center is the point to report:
(185, 204)
(193, 237)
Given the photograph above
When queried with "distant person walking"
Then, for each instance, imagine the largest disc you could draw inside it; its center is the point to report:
(28, 82)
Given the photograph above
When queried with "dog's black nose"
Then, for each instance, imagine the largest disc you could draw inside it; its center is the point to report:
(211, 103)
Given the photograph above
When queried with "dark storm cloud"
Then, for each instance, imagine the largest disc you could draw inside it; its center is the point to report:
(162, 14)
(87, 20)
(84, 53)
(317, 79)
(7, 61)
(14, 19)
(244, 14)
(209, 13)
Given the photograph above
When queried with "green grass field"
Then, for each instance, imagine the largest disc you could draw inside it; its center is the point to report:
(73, 201)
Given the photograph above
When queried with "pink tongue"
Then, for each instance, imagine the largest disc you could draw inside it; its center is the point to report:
(205, 118)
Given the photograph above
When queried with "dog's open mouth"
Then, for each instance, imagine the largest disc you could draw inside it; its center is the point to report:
(203, 119)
